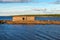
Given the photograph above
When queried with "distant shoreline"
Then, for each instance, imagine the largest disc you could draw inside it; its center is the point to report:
(57, 15)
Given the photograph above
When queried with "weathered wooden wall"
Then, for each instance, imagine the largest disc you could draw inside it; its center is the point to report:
(23, 18)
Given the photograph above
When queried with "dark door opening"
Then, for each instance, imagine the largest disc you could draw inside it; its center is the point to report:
(23, 18)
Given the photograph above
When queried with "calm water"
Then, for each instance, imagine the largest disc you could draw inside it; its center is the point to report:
(29, 32)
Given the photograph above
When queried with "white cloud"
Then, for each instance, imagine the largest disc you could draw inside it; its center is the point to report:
(29, 12)
(56, 2)
(19, 9)
(15, 0)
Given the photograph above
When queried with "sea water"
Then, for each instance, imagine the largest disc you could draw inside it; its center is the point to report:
(29, 32)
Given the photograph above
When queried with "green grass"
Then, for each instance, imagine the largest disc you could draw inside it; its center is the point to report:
(54, 15)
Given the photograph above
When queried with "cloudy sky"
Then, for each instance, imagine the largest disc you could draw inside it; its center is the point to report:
(32, 7)
(15, 0)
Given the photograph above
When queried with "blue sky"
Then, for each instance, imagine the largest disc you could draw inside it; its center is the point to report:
(25, 8)
(43, 0)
